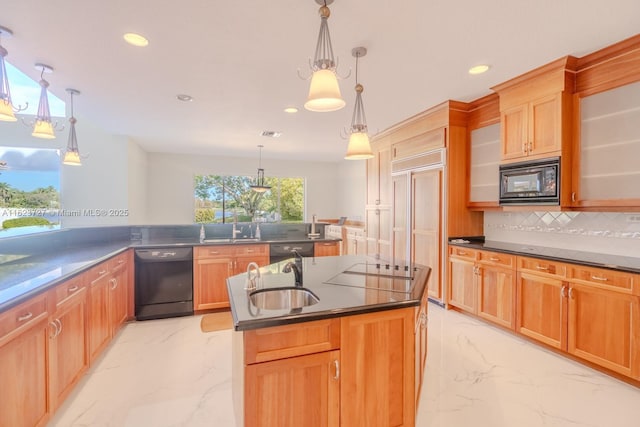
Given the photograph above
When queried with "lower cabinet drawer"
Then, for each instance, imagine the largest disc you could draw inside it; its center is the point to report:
(279, 342)
(22, 315)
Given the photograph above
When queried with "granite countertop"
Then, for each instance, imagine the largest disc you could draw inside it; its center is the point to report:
(592, 259)
(23, 276)
(169, 242)
(339, 293)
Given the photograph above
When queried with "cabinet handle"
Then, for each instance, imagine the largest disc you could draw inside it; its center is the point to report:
(101, 272)
(120, 261)
(423, 320)
(571, 293)
(542, 268)
(462, 253)
(573, 196)
(563, 291)
(336, 365)
(377, 211)
(214, 252)
(24, 317)
(530, 146)
(524, 147)
(72, 289)
(495, 259)
(602, 279)
(114, 283)
(55, 332)
(249, 251)
(59, 322)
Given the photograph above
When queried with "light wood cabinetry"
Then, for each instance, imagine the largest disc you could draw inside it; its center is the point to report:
(541, 311)
(604, 318)
(23, 364)
(99, 313)
(536, 112)
(326, 248)
(377, 353)
(378, 207)
(356, 241)
(416, 144)
(462, 279)
(484, 140)
(607, 148)
(213, 264)
(324, 372)
(420, 333)
(483, 283)
(118, 291)
(68, 339)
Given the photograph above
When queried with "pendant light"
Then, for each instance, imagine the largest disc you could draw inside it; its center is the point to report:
(259, 186)
(42, 127)
(324, 91)
(359, 147)
(72, 154)
(7, 109)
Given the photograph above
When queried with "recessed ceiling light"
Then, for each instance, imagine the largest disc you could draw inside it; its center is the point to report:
(478, 69)
(135, 39)
(271, 133)
(184, 97)
(291, 110)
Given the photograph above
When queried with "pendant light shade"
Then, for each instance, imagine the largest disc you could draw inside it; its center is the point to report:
(324, 91)
(43, 128)
(7, 110)
(260, 186)
(72, 154)
(359, 147)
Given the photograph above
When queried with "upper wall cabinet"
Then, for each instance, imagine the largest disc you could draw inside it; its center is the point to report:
(484, 140)
(606, 175)
(536, 112)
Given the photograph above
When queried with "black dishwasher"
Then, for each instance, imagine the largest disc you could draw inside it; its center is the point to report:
(163, 283)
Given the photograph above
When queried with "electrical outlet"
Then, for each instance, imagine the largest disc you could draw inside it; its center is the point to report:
(633, 218)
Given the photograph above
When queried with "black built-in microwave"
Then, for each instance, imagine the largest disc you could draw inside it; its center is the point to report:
(530, 183)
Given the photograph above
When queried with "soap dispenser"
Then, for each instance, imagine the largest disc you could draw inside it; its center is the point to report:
(202, 236)
(258, 231)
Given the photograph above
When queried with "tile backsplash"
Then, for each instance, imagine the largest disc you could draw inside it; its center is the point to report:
(604, 232)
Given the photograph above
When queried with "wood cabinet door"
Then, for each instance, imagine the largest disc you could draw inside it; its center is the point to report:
(377, 352)
(210, 282)
(603, 328)
(23, 375)
(385, 246)
(99, 316)
(496, 295)
(462, 284)
(372, 218)
(541, 309)
(514, 132)
(298, 391)
(545, 125)
(326, 249)
(421, 348)
(118, 286)
(400, 217)
(384, 175)
(426, 225)
(68, 346)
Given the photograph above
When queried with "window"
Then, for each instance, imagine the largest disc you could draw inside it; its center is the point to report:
(220, 199)
(29, 190)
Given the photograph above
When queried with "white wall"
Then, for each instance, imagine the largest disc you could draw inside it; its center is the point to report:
(170, 183)
(137, 184)
(353, 189)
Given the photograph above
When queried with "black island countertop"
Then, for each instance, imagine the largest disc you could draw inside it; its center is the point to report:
(592, 259)
(338, 283)
(24, 275)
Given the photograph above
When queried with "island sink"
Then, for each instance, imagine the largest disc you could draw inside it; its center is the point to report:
(287, 298)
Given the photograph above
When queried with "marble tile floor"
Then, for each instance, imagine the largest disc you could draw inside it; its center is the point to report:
(166, 373)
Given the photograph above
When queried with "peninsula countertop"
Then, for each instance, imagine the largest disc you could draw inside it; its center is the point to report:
(338, 283)
(22, 277)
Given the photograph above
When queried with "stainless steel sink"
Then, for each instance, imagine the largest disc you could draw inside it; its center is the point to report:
(249, 239)
(217, 240)
(283, 298)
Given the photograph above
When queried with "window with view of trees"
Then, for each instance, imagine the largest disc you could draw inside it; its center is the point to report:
(220, 198)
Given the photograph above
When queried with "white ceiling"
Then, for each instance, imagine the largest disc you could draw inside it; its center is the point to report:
(239, 61)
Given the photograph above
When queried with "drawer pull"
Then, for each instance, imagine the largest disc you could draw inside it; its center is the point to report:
(101, 272)
(600, 278)
(120, 261)
(24, 317)
(249, 251)
(494, 259)
(336, 365)
(214, 252)
(462, 253)
(542, 268)
(72, 289)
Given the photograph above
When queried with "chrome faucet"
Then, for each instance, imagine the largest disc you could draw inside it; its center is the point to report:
(253, 282)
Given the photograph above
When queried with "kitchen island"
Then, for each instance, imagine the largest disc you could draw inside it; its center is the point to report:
(354, 357)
